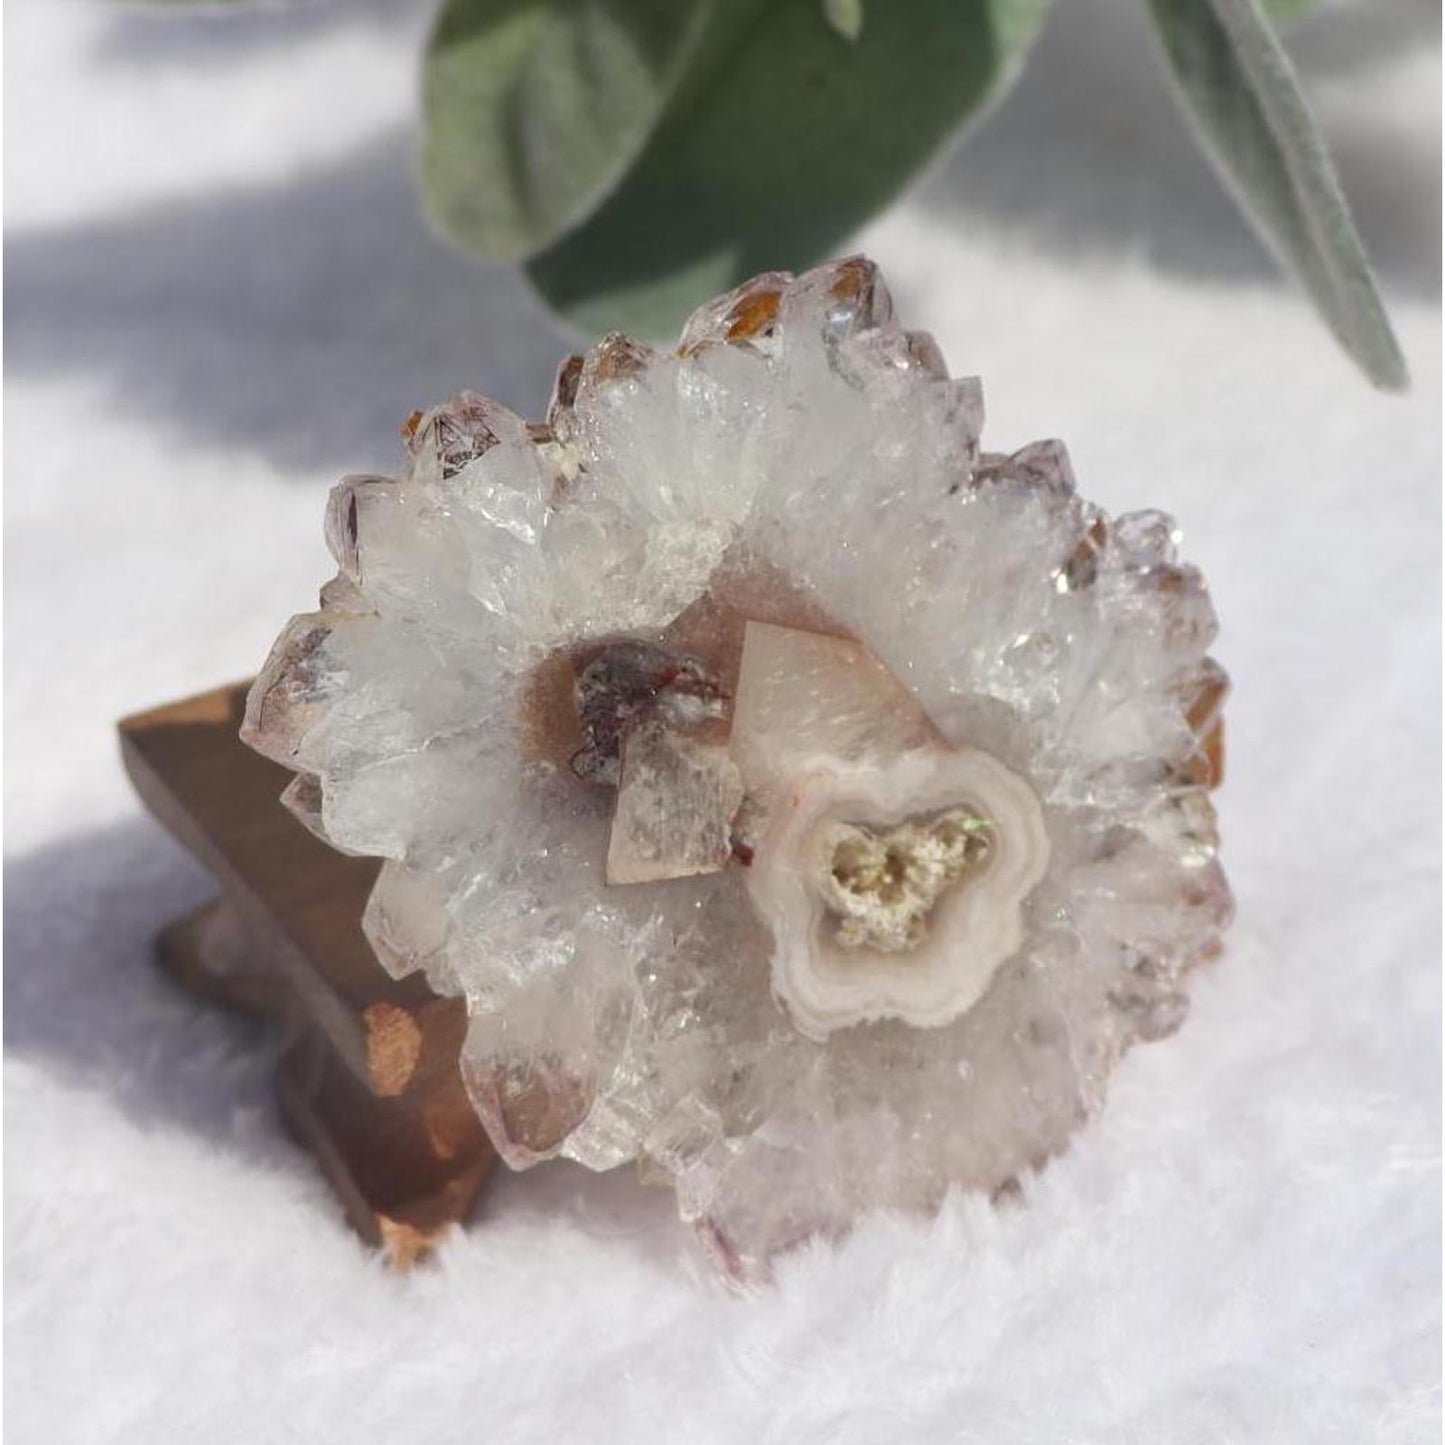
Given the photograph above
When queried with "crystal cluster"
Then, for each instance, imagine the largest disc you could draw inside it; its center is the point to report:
(809, 805)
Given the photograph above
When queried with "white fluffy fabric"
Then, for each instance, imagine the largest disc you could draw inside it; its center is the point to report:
(220, 297)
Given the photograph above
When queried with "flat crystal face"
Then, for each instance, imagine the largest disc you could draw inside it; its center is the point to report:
(677, 796)
(810, 805)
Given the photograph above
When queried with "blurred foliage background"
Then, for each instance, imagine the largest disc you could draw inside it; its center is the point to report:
(639, 156)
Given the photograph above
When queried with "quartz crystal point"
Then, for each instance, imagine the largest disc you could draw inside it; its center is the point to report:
(809, 805)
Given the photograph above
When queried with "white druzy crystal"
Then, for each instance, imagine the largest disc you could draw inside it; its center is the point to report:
(808, 805)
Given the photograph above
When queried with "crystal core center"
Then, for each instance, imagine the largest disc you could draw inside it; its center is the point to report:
(880, 888)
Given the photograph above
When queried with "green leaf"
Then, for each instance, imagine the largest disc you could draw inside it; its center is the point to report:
(779, 145)
(845, 16)
(1280, 10)
(1239, 87)
(534, 108)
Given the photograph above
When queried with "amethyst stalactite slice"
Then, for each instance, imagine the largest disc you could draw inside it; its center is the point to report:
(810, 806)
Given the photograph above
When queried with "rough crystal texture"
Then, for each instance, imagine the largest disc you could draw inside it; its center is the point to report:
(676, 801)
(809, 805)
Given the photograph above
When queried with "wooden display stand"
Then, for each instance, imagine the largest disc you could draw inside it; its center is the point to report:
(369, 1079)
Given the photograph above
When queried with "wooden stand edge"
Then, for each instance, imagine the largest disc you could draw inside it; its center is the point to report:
(368, 1080)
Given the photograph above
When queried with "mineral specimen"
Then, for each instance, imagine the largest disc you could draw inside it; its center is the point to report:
(809, 806)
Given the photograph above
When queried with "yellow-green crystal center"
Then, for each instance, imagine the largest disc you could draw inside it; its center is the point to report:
(882, 886)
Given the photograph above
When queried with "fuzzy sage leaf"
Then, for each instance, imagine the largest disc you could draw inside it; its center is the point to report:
(1281, 10)
(1239, 87)
(780, 143)
(535, 108)
(845, 16)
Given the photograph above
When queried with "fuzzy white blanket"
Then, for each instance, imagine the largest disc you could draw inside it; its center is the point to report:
(220, 296)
